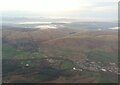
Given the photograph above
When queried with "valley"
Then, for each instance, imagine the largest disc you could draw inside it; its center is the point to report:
(65, 54)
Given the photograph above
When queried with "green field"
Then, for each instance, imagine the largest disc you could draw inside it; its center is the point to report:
(102, 56)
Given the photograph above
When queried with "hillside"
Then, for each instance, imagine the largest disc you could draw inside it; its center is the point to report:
(53, 55)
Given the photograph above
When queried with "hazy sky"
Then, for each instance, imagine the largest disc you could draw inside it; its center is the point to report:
(82, 9)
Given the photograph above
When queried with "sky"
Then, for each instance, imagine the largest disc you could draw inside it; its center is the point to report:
(99, 10)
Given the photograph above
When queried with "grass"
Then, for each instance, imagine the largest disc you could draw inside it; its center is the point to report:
(47, 74)
(89, 74)
(28, 55)
(9, 52)
(11, 57)
(102, 56)
(67, 64)
(100, 76)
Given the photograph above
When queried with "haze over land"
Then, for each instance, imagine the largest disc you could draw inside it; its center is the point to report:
(60, 41)
(59, 51)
